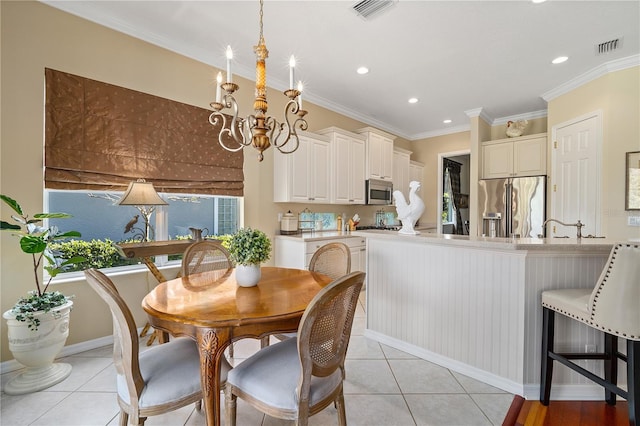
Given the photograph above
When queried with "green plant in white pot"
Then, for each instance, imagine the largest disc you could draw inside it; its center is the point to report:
(249, 248)
(38, 324)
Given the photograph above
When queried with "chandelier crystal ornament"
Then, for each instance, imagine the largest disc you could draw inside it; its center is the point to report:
(258, 129)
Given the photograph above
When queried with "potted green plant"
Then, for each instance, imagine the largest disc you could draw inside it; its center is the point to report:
(38, 323)
(248, 248)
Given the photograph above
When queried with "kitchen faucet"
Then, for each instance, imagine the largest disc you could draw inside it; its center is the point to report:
(578, 225)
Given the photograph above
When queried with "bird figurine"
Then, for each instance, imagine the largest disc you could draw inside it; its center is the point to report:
(516, 128)
(129, 226)
(409, 213)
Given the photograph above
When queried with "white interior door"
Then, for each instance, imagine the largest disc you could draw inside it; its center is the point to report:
(575, 179)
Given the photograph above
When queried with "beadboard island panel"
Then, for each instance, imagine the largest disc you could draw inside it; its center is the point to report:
(472, 304)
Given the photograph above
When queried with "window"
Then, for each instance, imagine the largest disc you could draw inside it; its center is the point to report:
(98, 218)
(99, 137)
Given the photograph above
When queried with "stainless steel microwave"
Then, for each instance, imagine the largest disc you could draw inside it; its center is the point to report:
(379, 192)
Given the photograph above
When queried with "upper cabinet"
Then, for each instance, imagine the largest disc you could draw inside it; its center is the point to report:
(347, 166)
(303, 176)
(515, 157)
(401, 169)
(416, 171)
(379, 153)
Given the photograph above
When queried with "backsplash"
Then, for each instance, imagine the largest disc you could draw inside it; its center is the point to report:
(308, 220)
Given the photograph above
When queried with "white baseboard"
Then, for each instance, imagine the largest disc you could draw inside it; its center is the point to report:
(559, 392)
(457, 366)
(13, 365)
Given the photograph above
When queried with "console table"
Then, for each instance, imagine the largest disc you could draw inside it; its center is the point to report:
(145, 251)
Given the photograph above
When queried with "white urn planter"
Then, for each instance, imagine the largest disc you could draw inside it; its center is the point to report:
(248, 275)
(36, 350)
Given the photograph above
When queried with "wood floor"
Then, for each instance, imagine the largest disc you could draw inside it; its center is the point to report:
(566, 413)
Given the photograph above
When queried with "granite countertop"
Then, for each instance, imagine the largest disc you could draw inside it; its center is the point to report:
(546, 244)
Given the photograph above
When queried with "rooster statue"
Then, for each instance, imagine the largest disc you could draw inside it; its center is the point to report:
(409, 213)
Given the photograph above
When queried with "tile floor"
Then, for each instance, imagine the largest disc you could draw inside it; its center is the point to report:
(383, 386)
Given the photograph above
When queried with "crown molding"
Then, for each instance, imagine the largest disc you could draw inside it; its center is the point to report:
(526, 116)
(604, 69)
(332, 106)
(479, 112)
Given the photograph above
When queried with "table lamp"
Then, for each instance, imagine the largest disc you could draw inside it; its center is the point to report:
(143, 196)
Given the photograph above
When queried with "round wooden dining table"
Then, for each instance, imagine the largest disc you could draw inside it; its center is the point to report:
(213, 310)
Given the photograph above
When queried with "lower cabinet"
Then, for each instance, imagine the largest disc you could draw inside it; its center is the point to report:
(295, 252)
(358, 248)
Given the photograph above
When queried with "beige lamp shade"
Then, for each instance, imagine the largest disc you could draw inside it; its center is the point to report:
(141, 193)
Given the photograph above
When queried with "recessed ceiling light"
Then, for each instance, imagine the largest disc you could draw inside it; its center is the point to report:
(559, 59)
(538, 1)
(447, 121)
(362, 70)
(413, 100)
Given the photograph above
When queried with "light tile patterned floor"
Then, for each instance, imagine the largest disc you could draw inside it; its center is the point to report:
(383, 386)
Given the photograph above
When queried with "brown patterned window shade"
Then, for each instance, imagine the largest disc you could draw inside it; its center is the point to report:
(100, 137)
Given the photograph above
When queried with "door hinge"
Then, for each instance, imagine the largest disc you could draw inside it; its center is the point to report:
(554, 187)
(555, 144)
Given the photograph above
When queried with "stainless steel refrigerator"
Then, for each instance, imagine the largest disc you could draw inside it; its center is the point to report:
(512, 207)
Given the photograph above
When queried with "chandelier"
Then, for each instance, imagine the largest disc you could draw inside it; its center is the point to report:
(258, 129)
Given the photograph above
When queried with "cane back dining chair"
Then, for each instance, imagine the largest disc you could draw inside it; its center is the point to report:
(299, 377)
(206, 256)
(162, 378)
(613, 307)
(333, 260)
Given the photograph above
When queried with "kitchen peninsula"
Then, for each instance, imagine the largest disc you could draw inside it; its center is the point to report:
(472, 304)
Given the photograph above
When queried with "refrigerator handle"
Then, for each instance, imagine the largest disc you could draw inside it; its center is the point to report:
(508, 211)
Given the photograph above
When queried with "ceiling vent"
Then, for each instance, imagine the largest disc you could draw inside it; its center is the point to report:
(368, 8)
(609, 46)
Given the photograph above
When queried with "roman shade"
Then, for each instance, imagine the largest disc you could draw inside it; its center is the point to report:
(101, 137)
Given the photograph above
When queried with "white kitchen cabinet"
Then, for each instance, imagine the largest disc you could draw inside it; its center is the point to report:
(347, 166)
(416, 171)
(358, 248)
(379, 153)
(521, 156)
(296, 252)
(303, 176)
(401, 164)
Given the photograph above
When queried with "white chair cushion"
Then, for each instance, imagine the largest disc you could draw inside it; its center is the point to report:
(572, 302)
(272, 376)
(170, 371)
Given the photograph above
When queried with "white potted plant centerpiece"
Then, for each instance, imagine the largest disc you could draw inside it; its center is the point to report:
(38, 324)
(248, 248)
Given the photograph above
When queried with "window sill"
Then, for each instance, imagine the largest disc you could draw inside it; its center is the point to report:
(74, 277)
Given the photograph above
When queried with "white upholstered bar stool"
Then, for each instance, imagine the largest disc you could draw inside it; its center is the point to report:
(613, 307)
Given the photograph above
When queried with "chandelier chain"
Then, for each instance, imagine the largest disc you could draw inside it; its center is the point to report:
(261, 39)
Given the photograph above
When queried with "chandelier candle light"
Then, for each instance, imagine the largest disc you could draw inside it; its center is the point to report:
(258, 129)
